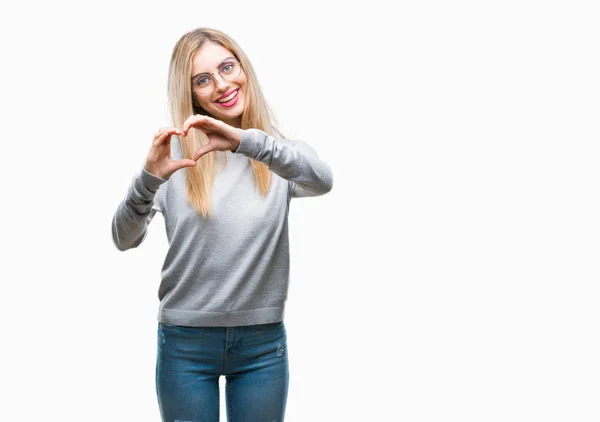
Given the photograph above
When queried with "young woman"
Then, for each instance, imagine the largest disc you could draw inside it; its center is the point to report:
(224, 281)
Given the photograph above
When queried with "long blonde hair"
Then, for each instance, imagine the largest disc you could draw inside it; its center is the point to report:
(256, 114)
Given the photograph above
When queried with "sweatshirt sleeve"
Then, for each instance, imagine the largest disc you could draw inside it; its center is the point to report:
(295, 161)
(134, 213)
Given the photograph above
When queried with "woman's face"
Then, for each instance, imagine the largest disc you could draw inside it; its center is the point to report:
(211, 58)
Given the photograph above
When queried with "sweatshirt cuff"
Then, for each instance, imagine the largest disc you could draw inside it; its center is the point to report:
(150, 181)
(251, 143)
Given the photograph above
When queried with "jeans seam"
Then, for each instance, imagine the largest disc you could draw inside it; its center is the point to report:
(228, 388)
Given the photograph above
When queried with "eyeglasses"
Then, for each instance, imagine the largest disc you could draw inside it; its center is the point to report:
(203, 84)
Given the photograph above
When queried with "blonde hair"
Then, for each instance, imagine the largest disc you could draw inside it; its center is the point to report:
(256, 114)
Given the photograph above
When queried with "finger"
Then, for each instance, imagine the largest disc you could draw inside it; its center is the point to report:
(160, 131)
(159, 139)
(166, 135)
(186, 124)
(185, 163)
(204, 123)
(202, 150)
(170, 129)
(179, 164)
(193, 121)
(163, 139)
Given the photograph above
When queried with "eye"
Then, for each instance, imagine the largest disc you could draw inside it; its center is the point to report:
(228, 68)
(203, 81)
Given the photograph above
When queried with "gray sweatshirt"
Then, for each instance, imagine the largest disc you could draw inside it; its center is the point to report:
(233, 268)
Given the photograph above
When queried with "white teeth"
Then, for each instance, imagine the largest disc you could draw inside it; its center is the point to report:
(224, 100)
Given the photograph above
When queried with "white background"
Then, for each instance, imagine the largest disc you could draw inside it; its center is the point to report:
(450, 275)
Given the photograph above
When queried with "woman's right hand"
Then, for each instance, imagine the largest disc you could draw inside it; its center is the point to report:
(159, 161)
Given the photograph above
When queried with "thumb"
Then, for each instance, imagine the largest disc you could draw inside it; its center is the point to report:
(185, 163)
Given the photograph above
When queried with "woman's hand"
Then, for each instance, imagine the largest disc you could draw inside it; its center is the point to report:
(221, 136)
(159, 161)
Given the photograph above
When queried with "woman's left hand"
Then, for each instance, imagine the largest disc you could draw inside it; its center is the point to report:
(221, 136)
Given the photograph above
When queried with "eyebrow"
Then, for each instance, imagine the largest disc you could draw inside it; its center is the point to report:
(205, 73)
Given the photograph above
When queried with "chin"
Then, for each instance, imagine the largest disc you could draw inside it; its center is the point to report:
(233, 113)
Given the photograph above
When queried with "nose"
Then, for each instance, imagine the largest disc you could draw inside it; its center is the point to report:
(221, 84)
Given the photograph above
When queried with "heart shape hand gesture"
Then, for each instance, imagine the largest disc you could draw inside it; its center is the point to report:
(221, 137)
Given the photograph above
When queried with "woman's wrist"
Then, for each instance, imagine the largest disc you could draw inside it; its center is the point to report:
(236, 137)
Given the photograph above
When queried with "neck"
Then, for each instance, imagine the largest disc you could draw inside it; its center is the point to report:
(236, 122)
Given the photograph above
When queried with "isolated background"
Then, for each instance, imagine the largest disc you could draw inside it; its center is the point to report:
(450, 275)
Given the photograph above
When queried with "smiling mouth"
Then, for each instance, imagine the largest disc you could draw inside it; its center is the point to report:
(229, 97)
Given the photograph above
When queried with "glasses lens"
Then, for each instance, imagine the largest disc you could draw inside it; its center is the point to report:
(228, 71)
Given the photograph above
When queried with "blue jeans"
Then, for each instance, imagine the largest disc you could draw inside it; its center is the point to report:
(190, 361)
